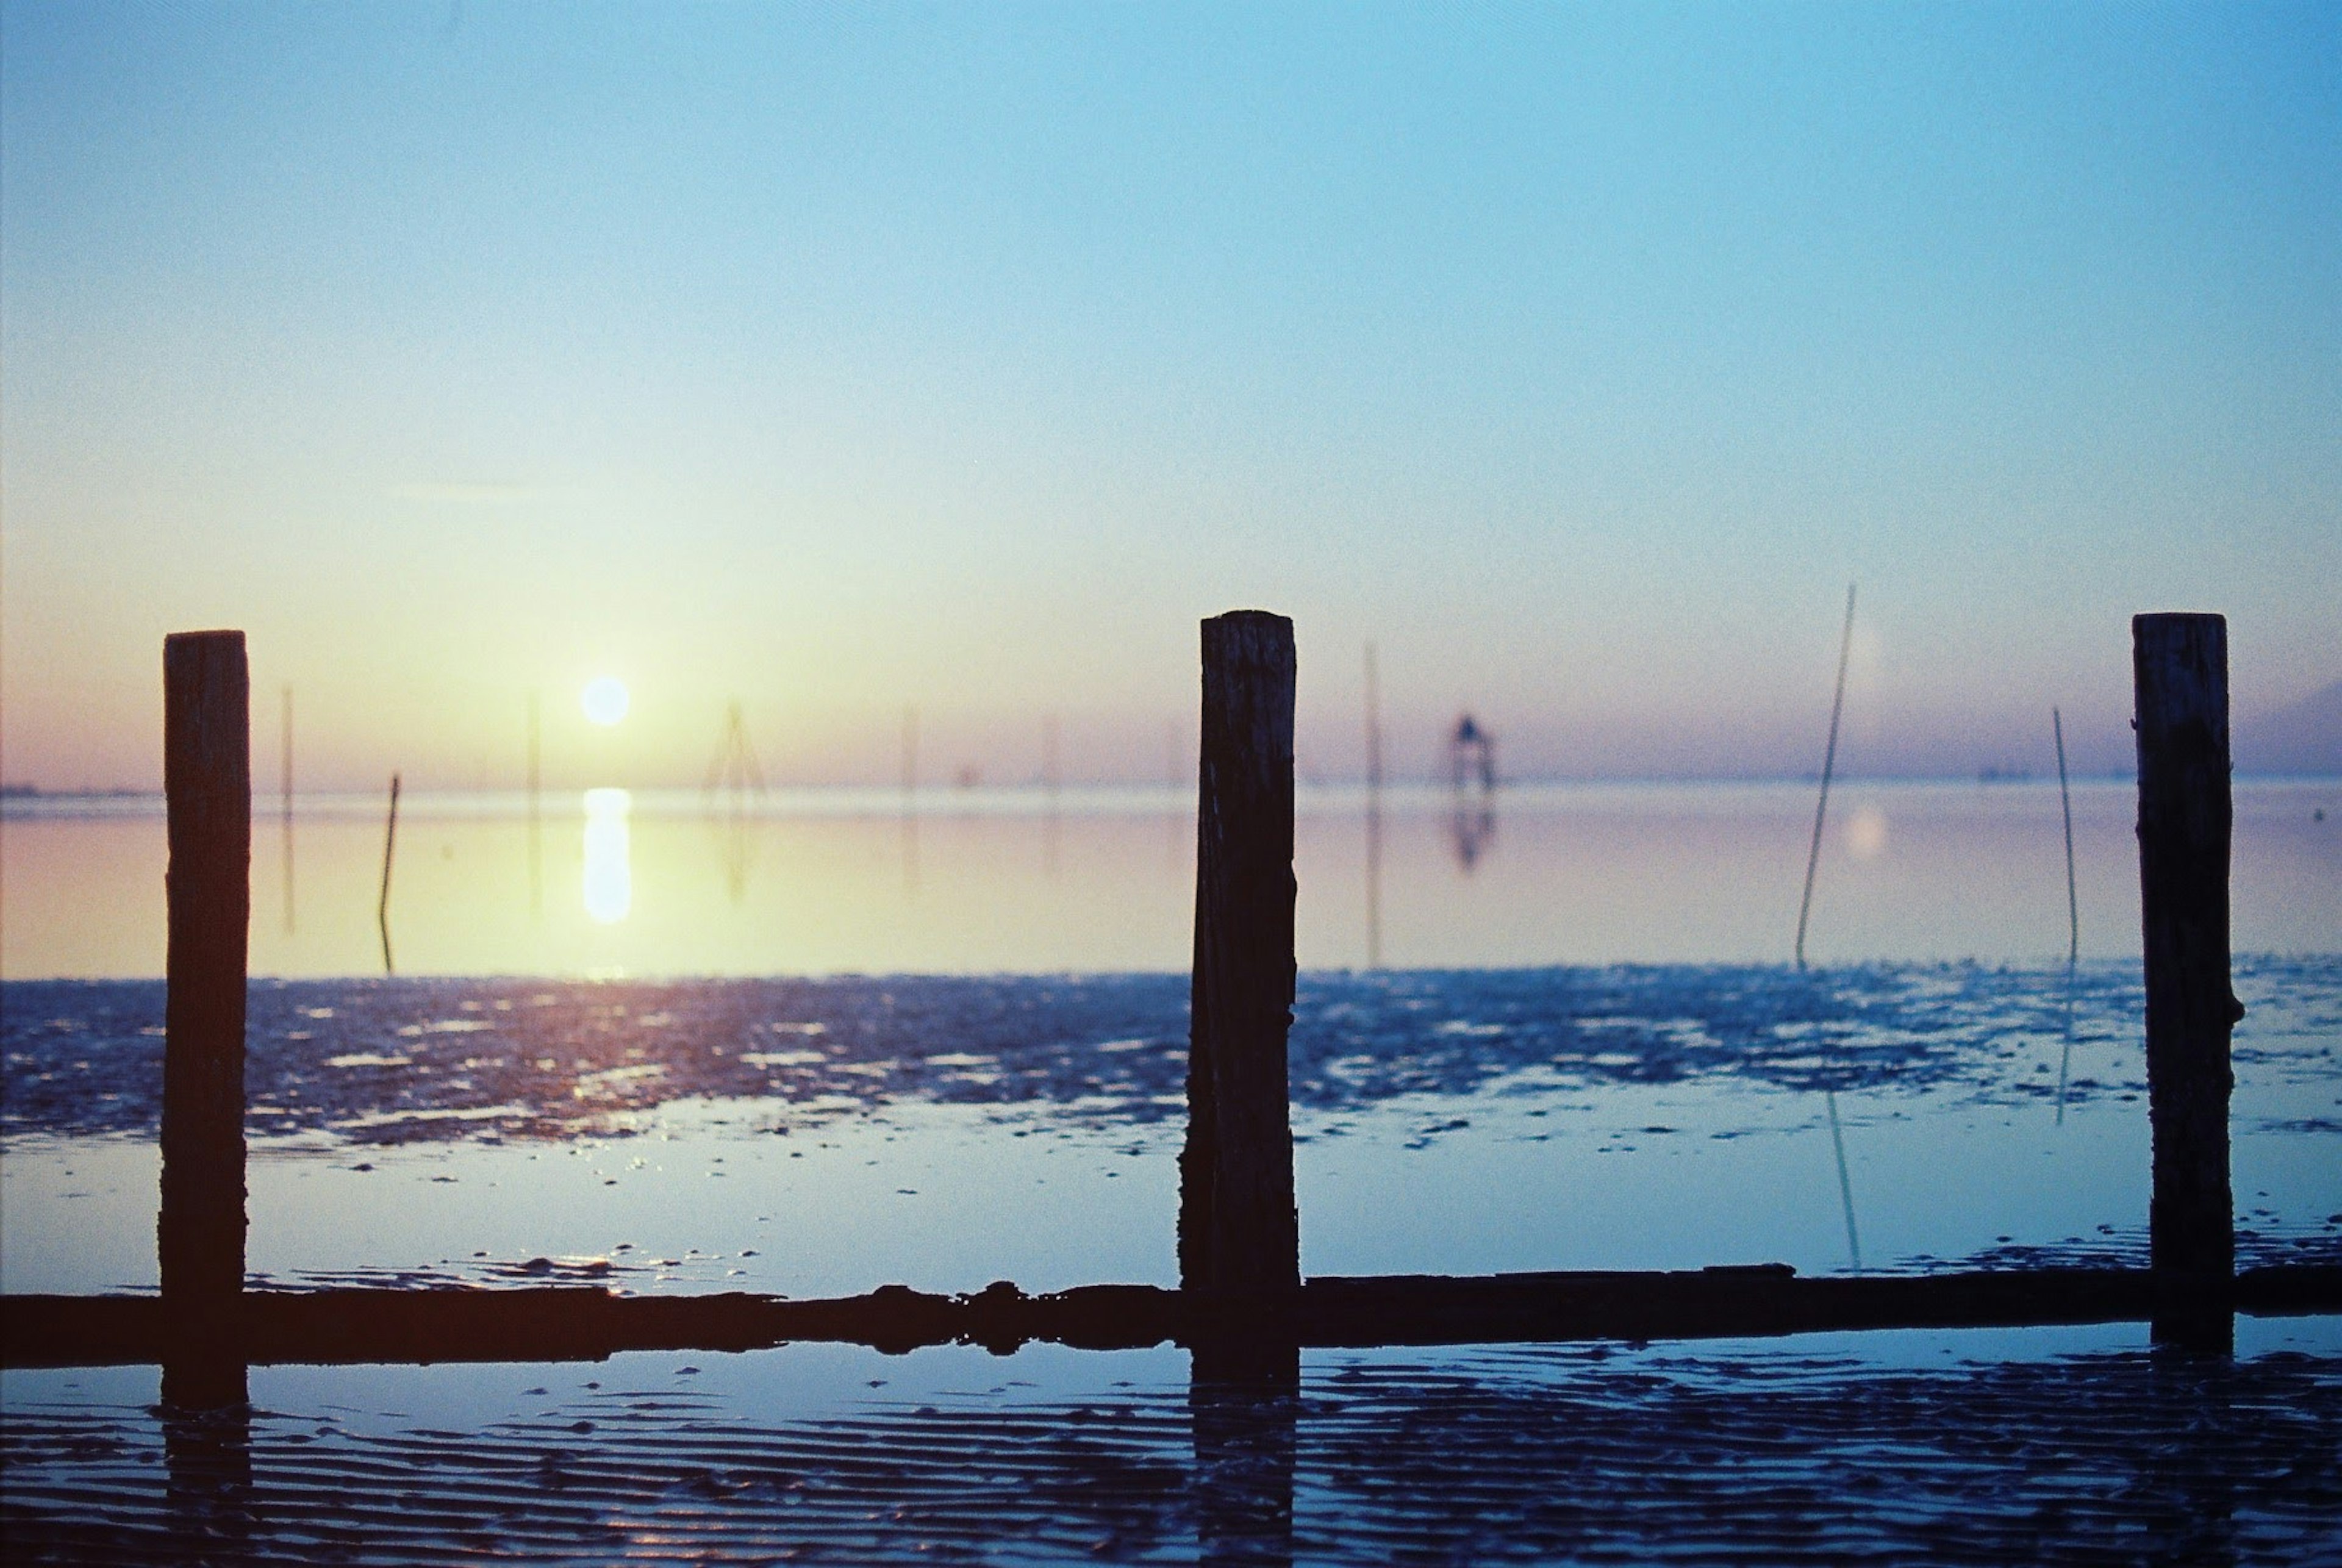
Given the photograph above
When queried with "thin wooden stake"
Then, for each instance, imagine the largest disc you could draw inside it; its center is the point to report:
(2180, 666)
(1829, 760)
(382, 908)
(2065, 804)
(2073, 915)
(1237, 1226)
(208, 788)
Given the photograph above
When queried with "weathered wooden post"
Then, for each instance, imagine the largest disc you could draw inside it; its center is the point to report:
(208, 788)
(2180, 667)
(1237, 1228)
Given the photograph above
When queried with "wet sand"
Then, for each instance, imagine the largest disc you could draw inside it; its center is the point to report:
(1815, 1453)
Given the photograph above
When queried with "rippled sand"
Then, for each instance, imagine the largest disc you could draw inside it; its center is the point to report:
(1761, 1455)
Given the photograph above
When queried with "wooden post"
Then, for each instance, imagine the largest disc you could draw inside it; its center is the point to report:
(2180, 666)
(207, 784)
(1237, 1227)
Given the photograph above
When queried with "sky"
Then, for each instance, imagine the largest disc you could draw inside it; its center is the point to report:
(839, 360)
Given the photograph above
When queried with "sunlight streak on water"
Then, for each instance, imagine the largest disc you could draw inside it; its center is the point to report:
(608, 878)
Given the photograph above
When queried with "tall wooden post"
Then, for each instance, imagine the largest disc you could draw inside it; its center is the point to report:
(207, 787)
(2180, 666)
(1237, 1228)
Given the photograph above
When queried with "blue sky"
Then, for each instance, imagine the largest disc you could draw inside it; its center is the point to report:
(838, 359)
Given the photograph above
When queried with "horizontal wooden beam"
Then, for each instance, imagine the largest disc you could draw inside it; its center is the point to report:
(587, 1323)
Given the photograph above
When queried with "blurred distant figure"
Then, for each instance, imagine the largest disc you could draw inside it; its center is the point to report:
(1472, 775)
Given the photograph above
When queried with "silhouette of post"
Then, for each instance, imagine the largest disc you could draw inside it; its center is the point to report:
(1237, 1227)
(207, 790)
(2180, 667)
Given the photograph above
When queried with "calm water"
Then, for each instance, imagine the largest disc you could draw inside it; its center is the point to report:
(1000, 883)
(1588, 1052)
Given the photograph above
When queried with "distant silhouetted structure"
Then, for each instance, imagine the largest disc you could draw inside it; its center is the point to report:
(733, 769)
(736, 772)
(1052, 783)
(1472, 775)
(1472, 757)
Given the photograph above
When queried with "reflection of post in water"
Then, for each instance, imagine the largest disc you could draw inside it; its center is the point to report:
(1373, 813)
(2073, 914)
(734, 771)
(1051, 781)
(740, 855)
(1472, 779)
(207, 1461)
(287, 856)
(535, 820)
(284, 799)
(2190, 1484)
(1844, 1183)
(1243, 1399)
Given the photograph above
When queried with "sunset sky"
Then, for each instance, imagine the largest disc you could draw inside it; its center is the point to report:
(835, 359)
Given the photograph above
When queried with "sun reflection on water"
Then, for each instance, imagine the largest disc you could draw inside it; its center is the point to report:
(608, 881)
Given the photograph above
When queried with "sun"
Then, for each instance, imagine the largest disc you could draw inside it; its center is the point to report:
(604, 700)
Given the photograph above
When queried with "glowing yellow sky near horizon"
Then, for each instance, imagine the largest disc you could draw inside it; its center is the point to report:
(1575, 358)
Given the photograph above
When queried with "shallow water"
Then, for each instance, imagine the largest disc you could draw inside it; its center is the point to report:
(1102, 882)
(827, 1135)
(834, 1131)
